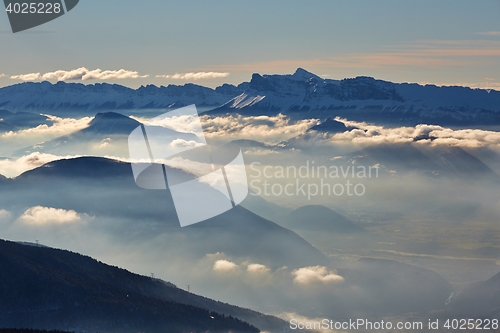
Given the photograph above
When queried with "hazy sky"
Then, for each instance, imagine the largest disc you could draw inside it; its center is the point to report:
(443, 42)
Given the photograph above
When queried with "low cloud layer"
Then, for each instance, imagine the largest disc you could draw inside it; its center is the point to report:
(273, 130)
(185, 123)
(261, 128)
(60, 127)
(15, 167)
(194, 76)
(269, 129)
(40, 215)
(13, 140)
(82, 74)
(426, 134)
(315, 275)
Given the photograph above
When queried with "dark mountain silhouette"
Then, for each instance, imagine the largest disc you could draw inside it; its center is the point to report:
(46, 288)
(331, 126)
(11, 121)
(111, 123)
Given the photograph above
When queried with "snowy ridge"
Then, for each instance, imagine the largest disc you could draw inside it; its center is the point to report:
(46, 96)
(243, 101)
(302, 91)
(298, 94)
(304, 94)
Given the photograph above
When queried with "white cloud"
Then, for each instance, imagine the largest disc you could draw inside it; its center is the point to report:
(257, 269)
(194, 76)
(2, 75)
(40, 215)
(15, 167)
(26, 77)
(14, 140)
(425, 134)
(142, 120)
(260, 152)
(261, 128)
(184, 124)
(60, 126)
(104, 143)
(224, 265)
(180, 143)
(81, 73)
(315, 274)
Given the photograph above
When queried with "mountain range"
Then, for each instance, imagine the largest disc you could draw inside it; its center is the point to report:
(143, 222)
(299, 95)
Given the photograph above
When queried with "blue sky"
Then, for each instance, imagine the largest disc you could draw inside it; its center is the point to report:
(442, 42)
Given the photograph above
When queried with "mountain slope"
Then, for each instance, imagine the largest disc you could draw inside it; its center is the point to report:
(11, 121)
(111, 123)
(331, 126)
(320, 219)
(115, 194)
(434, 161)
(46, 288)
(479, 300)
(139, 229)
